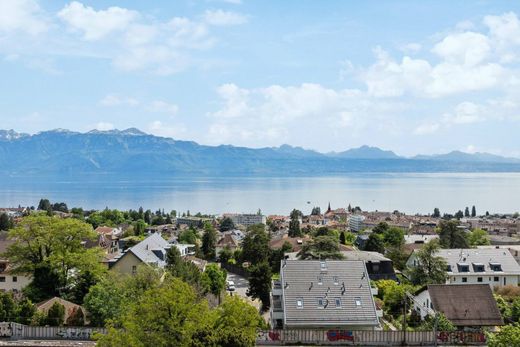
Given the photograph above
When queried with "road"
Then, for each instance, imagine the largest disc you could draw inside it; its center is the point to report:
(241, 285)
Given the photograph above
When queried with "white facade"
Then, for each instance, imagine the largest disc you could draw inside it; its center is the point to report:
(15, 283)
(422, 304)
(355, 222)
(247, 219)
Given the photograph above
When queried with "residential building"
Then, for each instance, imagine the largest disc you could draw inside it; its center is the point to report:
(378, 266)
(419, 238)
(327, 294)
(108, 238)
(492, 266)
(226, 241)
(196, 222)
(70, 308)
(246, 219)
(10, 281)
(151, 251)
(466, 306)
(355, 222)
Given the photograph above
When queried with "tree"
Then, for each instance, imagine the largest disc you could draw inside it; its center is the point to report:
(393, 295)
(56, 315)
(342, 239)
(473, 211)
(466, 212)
(394, 237)
(443, 323)
(509, 335)
(76, 318)
(255, 245)
(478, 237)
(451, 236)
(321, 247)
(375, 243)
(51, 250)
(381, 228)
(7, 307)
(436, 213)
(209, 242)
(45, 205)
(316, 211)
(225, 255)
(294, 224)
(139, 227)
(25, 310)
(430, 269)
(188, 236)
(214, 279)
(348, 238)
(5, 222)
(277, 255)
(459, 214)
(260, 283)
(185, 270)
(227, 224)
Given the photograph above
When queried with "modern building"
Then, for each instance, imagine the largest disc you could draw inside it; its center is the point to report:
(151, 251)
(196, 222)
(492, 266)
(378, 266)
(466, 306)
(356, 222)
(246, 219)
(328, 294)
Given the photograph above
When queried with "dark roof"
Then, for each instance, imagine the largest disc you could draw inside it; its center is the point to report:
(466, 304)
(299, 280)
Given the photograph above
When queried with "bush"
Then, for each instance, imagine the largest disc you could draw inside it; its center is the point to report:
(56, 315)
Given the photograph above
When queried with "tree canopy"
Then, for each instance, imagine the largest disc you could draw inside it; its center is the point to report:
(451, 236)
(321, 247)
(430, 269)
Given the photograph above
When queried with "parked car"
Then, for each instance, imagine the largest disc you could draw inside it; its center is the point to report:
(231, 286)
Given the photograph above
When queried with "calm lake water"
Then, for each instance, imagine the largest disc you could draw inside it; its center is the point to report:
(411, 193)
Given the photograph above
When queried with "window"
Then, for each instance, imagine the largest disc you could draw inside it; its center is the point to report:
(299, 303)
(338, 302)
(464, 279)
(335, 278)
(478, 267)
(323, 266)
(134, 270)
(448, 268)
(463, 267)
(320, 280)
(320, 303)
(496, 279)
(479, 279)
(2, 279)
(358, 301)
(375, 267)
(495, 266)
(15, 279)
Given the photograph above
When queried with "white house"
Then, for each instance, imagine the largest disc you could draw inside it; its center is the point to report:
(493, 266)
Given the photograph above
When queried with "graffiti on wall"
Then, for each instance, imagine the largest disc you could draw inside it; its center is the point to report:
(6, 330)
(270, 335)
(456, 337)
(340, 335)
(75, 333)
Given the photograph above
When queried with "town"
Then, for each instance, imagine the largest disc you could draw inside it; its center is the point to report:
(337, 275)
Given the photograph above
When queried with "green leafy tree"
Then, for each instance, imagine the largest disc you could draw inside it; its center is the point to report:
(473, 211)
(225, 255)
(431, 269)
(375, 243)
(226, 224)
(255, 246)
(139, 227)
(478, 237)
(7, 307)
(515, 310)
(443, 323)
(436, 213)
(76, 318)
(381, 228)
(25, 311)
(503, 307)
(5, 222)
(277, 255)
(393, 295)
(321, 247)
(51, 250)
(260, 283)
(316, 211)
(214, 279)
(394, 237)
(294, 224)
(509, 335)
(209, 242)
(56, 315)
(451, 236)
(466, 212)
(188, 236)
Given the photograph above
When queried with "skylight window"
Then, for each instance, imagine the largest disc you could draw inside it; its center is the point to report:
(335, 278)
(323, 266)
(358, 301)
(338, 302)
(320, 280)
(321, 303)
(299, 303)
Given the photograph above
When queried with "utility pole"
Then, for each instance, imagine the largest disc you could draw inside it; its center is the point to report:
(404, 321)
(435, 326)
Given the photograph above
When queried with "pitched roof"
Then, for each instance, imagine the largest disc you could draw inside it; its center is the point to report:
(466, 304)
(344, 280)
(227, 240)
(151, 250)
(485, 257)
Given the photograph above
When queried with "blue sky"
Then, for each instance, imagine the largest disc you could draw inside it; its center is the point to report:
(411, 76)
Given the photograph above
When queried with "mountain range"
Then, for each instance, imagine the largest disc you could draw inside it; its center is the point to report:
(132, 152)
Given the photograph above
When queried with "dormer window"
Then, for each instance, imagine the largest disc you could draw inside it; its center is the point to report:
(478, 267)
(299, 303)
(495, 266)
(463, 267)
(448, 268)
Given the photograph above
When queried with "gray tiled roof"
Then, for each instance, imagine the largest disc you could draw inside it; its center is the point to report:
(144, 250)
(482, 256)
(299, 279)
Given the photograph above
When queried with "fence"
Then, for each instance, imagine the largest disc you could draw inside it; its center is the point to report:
(369, 338)
(17, 331)
(235, 269)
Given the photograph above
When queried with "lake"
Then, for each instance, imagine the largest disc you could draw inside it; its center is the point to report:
(410, 193)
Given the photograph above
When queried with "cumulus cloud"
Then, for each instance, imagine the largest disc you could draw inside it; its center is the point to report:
(116, 100)
(93, 24)
(104, 126)
(22, 16)
(224, 18)
(167, 130)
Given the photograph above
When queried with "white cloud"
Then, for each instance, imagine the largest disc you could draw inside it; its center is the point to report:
(115, 100)
(426, 128)
(163, 107)
(411, 47)
(504, 28)
(468, 48)
(224, 18)
(96, 24)
(161, 129)
(23, 16)
(465, 113)
(104, 126)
